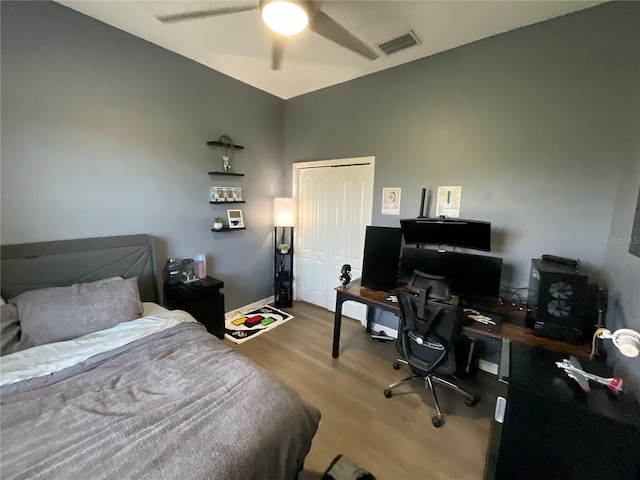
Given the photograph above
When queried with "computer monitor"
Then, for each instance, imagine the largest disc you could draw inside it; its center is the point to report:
(456, 232)
(381, 257)
(468, 275)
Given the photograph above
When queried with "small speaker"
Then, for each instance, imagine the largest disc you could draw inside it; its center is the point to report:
(381, 257)
(558, 299)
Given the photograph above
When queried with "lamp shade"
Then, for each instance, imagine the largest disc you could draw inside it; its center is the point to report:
(284, 17)
(283, 212)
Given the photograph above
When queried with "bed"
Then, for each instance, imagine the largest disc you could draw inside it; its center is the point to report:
(155, 396)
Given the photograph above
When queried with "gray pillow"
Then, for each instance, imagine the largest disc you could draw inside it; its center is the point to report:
(62, 313)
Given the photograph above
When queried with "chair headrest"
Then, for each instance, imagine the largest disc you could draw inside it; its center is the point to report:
(436, 286)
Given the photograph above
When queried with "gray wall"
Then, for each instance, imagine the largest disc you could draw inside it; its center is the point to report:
(623, 269)
(540, 127)
(536, 125)
(105, 134)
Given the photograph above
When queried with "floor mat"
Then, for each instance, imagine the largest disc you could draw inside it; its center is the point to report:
(247, 325)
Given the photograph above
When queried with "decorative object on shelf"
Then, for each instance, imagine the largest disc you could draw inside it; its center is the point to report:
(235, 219)
(284, 248)
(215, 194)
(283, 217)
(225, 194)
(227, 155)
(218, 223)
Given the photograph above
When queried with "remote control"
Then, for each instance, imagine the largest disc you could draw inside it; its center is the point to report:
(561, 260)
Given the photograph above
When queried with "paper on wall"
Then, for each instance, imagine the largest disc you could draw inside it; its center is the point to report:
(448, 201)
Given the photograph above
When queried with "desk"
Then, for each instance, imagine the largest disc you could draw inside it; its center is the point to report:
(510, 321)
(552, 429)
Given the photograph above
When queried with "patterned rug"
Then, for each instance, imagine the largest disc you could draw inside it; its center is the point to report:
(247, 325)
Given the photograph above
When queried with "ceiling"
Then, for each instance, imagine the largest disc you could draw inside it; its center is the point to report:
(239, 44)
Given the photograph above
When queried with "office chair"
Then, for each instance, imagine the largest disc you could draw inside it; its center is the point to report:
(426, 341)
(436, 287)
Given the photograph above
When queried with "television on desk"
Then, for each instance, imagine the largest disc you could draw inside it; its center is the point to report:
(456, 232)
(468, 275)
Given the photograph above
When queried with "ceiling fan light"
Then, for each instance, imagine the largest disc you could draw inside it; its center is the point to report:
(285, 18)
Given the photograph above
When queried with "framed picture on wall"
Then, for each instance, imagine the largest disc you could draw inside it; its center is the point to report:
(235, 219)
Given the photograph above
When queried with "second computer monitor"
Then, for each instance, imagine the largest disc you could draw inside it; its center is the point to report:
(469, 275)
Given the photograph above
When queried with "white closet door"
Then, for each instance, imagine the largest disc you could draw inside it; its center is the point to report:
(313, 215)
(334, 208)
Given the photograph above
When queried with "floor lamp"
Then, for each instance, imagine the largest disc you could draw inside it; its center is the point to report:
(283, 219)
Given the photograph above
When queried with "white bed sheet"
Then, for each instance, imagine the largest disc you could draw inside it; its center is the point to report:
(53, 357)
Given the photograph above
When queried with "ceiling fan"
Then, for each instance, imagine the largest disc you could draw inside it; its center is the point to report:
(286, 18)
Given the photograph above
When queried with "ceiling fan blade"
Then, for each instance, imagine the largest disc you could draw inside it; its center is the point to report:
(181, 17)
(327, 27)
(278, 44)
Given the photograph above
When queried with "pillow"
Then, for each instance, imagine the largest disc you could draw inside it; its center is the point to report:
(62, 313)
(9, 328)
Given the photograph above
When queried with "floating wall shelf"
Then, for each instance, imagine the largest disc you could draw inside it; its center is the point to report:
(229, 174)
(216, 144)
(227, 229)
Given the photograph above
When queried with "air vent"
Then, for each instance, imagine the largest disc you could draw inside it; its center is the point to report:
(400, 43)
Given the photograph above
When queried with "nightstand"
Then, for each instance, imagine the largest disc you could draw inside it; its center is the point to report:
(202, 299)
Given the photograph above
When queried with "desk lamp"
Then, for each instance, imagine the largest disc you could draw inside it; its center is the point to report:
(625, 339)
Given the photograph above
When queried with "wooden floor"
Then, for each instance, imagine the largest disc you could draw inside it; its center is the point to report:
(392, 438)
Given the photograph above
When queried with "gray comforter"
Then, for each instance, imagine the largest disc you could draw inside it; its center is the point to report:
(175, 405)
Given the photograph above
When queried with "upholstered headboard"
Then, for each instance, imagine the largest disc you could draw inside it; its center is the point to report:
(30, 266)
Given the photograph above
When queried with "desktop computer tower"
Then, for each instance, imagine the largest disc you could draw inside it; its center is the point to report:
(381, 258)
(559, 298)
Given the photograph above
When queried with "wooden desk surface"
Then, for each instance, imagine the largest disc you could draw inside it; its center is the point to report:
(511, 320)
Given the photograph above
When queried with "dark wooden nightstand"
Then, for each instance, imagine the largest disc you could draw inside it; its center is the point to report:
(202, 299)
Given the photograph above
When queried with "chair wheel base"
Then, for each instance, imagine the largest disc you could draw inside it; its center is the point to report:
(437, 421)
(471, 402)
(387, 393)
(396, 366)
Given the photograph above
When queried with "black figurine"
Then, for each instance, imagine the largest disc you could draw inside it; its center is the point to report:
(345, 275)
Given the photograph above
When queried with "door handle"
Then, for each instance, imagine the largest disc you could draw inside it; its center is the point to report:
(501, 406)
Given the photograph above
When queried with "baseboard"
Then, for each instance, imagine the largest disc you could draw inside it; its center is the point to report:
(252, 306)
